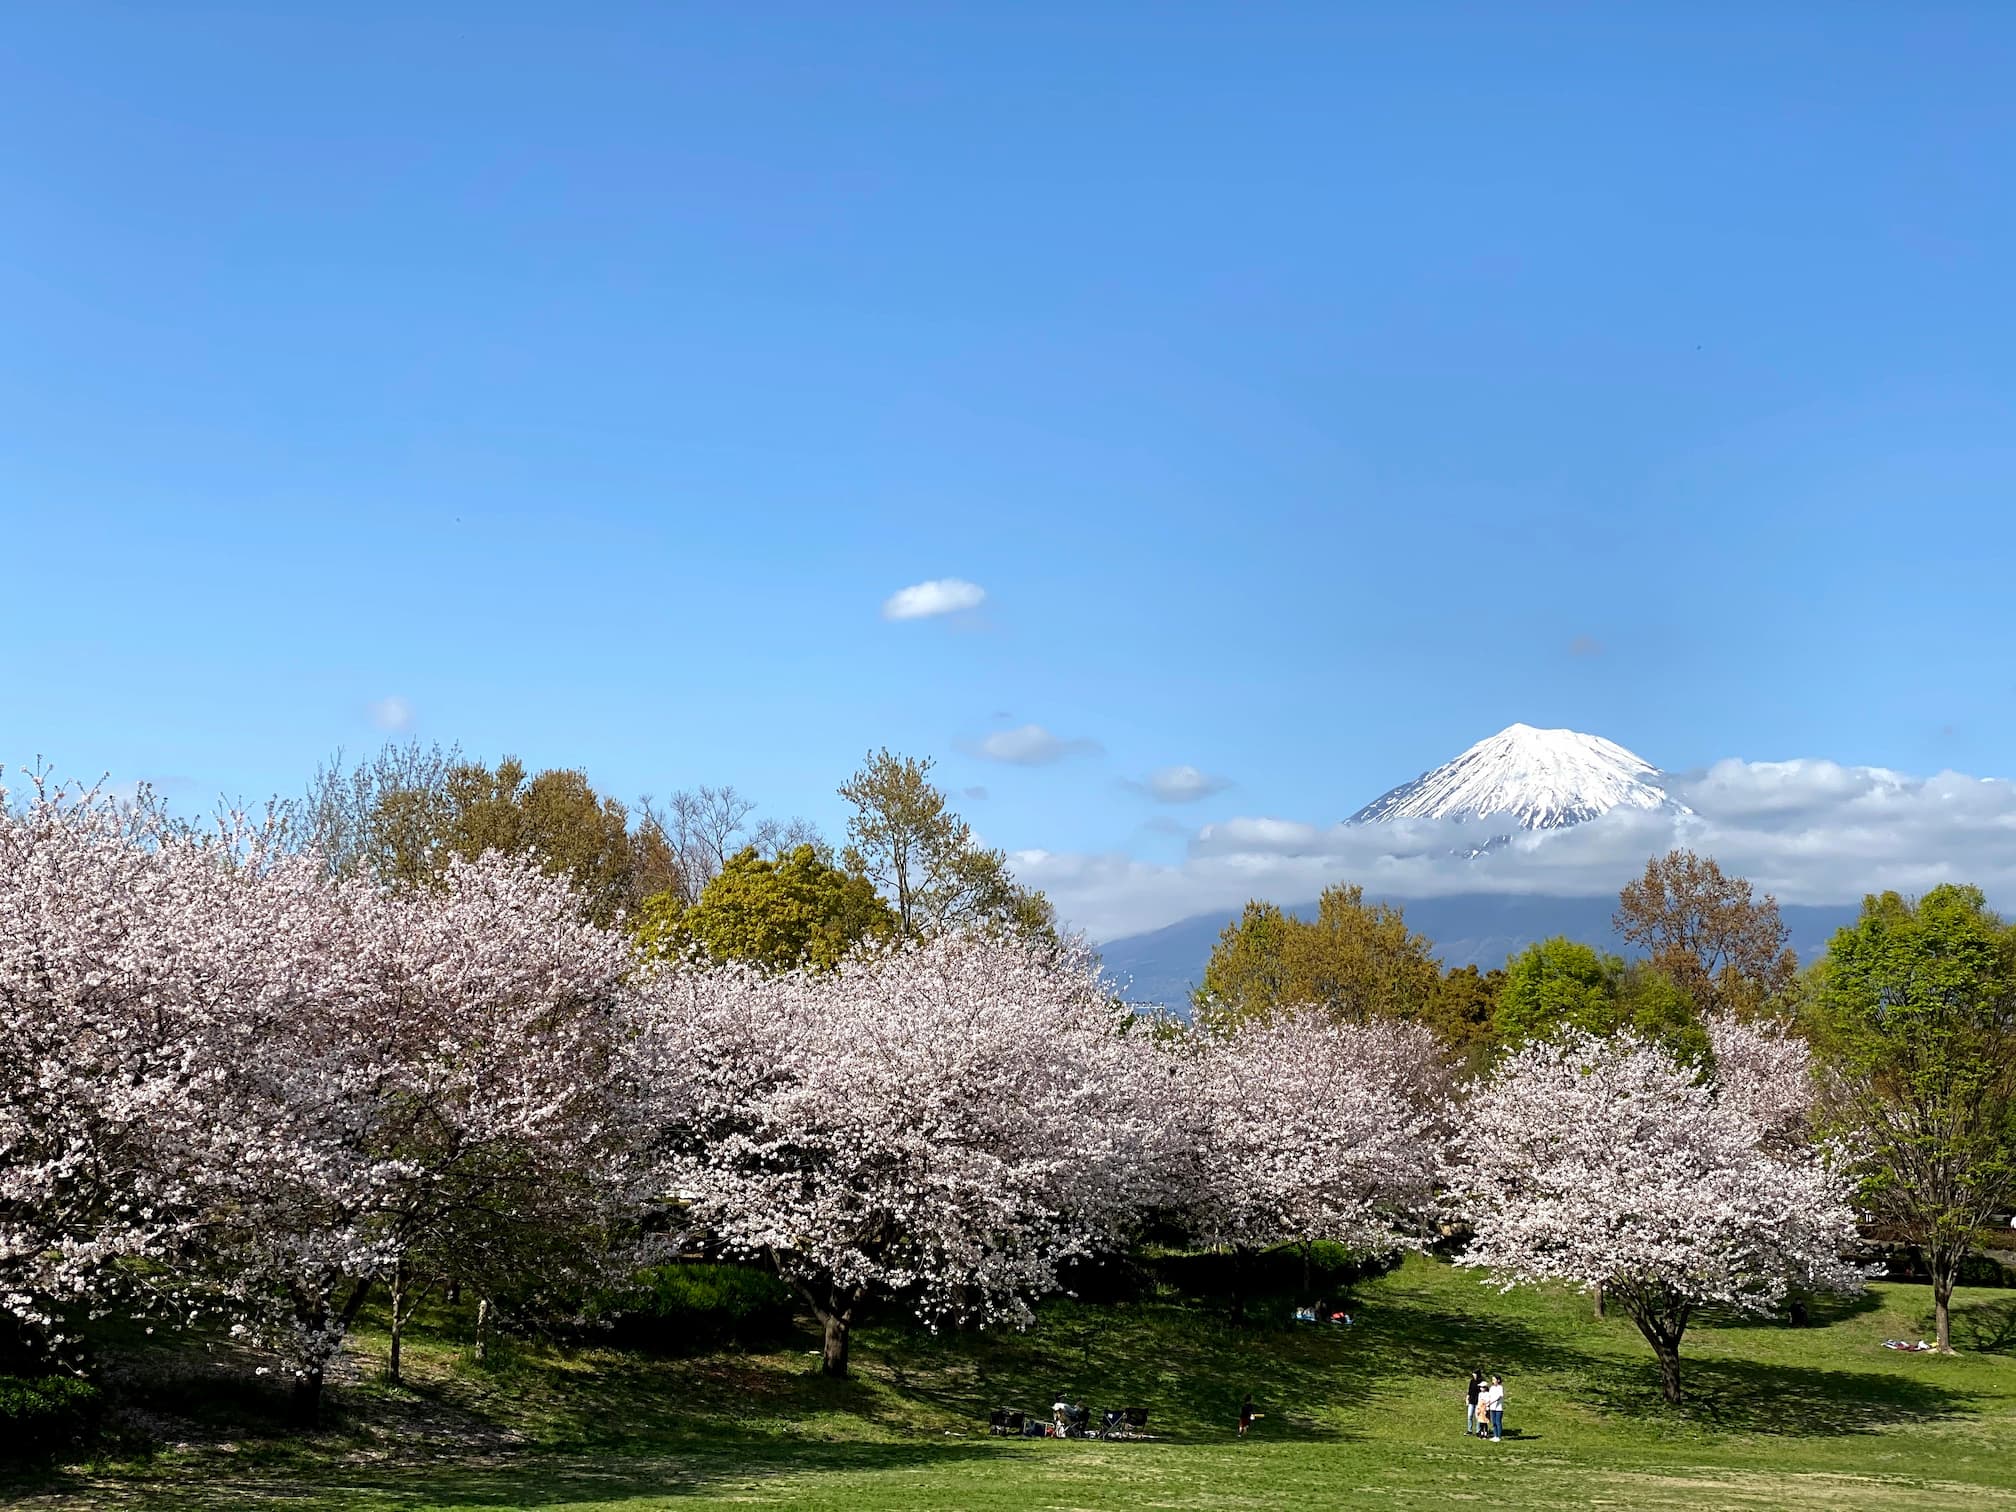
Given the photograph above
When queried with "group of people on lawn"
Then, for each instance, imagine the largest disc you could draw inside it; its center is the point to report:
(1485, 1415)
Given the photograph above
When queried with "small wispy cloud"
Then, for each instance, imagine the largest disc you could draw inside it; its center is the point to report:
(1585, 645)
(392, 713)
(938, 596)
(978, 794)
(1031, 745)
(1179, 784)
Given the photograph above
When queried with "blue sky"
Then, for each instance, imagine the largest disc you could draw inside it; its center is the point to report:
(1312, 389)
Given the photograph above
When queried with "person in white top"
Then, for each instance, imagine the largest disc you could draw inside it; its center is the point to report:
(1493, 1403)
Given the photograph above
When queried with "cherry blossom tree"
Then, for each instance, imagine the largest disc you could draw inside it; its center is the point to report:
(1604, 1162)
(937, 1127)
(95, 971)
(1303, 1128)
(425, 1082)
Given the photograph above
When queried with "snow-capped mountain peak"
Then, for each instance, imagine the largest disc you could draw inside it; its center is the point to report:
(1538, 779)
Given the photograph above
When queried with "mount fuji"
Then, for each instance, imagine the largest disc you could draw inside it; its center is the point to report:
(1536, 779)
(1522, 778)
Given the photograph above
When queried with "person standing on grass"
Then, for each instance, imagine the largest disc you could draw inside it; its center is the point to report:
(1494, 1407)
(1476, 1389)
(1246, 1414)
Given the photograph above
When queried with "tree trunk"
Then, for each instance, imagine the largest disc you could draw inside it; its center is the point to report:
(1599, 1301)
(398, 1285)
(482, 1330)
(304, 1403)
(1669, 1370)
(833, 1359)
(1663, 1328)
(305, 1400)
(1307, 1249)
(1943, 1259)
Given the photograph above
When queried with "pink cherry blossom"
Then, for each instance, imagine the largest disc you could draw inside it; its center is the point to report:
(1606, 1163)
(1303, 1128)
(939, 1127)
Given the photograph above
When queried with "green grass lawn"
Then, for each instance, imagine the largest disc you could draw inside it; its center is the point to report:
(1372, 1416)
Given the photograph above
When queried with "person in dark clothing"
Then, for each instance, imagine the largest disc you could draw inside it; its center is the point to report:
(1476, 1390)
(1247, 1414)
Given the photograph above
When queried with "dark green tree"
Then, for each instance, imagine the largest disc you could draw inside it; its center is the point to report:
(1914, 1015)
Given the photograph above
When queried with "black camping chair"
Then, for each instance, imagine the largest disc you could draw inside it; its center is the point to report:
(1136, 1417)
(1005, 1420)
(1077, 1421)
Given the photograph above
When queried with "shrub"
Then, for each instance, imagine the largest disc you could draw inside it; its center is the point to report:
(695, 1307)
(42, 1416)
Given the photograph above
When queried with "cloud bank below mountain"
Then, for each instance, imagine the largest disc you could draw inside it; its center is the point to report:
(1809, 831)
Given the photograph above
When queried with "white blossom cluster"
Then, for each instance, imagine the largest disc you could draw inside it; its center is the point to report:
(1302, 1128)
(1606, 1164)
(943, 1126)
(267, 1086)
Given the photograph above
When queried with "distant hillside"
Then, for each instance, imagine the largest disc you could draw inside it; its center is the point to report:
(1480, 929)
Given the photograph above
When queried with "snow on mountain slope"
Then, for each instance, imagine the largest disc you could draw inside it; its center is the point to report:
(1540, 779)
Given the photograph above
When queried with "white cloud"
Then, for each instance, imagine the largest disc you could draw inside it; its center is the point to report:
(392, 713)
(1807, 831)
(939, 596)
(1179, 784)
(1030, 745)
(978, 794)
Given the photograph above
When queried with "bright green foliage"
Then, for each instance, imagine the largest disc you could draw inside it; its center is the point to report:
(1354, 960)
(793, 910)
(1560, 984)
(1554, 985)
(1914, 1010)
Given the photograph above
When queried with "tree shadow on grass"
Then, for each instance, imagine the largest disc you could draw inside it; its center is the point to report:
(1979, 1327)
(1190, 1367)
(1737, 1396)
(504, 1481)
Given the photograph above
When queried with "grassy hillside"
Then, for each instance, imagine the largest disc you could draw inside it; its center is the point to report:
(1371, 1416)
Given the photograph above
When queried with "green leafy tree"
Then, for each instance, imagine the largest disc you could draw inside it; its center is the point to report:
(1247, 975)
(1556, 985)
(1354, 961)
(1560, 985)
(1914, 1015)
(924, 858)
(795, 909)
